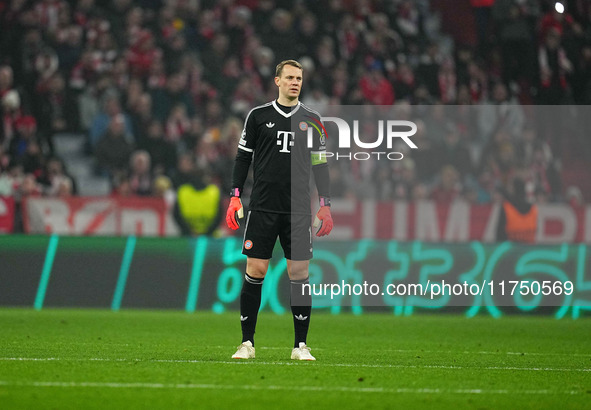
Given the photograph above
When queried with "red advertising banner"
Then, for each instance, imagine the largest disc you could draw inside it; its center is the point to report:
(426, 220)
(98, 216)
(458, 221)
(6, 214)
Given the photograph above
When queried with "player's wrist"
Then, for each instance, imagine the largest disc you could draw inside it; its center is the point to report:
(324, 201)
(235, 192)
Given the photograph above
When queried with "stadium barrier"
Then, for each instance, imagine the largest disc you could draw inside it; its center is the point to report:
(354, 219)
(206, 274)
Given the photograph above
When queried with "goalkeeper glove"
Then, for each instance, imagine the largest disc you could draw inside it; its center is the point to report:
(235, 212)
(323, 221)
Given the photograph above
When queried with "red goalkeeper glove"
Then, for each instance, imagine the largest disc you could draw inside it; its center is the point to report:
(235, 212)
(323, 221)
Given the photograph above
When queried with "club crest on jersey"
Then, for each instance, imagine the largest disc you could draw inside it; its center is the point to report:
(303, 126)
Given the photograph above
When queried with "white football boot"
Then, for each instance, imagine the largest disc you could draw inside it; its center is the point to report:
(302, 353)
(245, 351)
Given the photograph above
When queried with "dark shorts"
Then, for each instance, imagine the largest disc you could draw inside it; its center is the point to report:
(263, 228)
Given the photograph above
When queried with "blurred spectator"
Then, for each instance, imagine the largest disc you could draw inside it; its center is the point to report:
(420, 192)
(10, 106)
(175, 94)
(111, 110)
(65, 187)
(184, 170)
(500, 157)
(68, 46)
(307, 28)
(46, 65)
(436, 122)
(198, 209)
(374, 86)
(448, 186)
(175, 48)
(477, 83)
(55, 110)
(26, 135)
(162, 153)
(543, 173)
(133, 93)
(428, 69)
(338, 184)
(121, 187)
(4, 160)
(482, 17)
(178, 124)
(582, 77)
(516, 37)
(425, 158)
(163, 188)
(555, 20)
(404, 82)
(33, 160)
(406, 180)
(141, 117)
(408, 19)
(518, 218)
(213, 60)
(574, 197)
(536, 157)
(142, 54)
(90, 100)
(113, 150)
(56, 180)
(554, 67)
(501, 111)
(454, 151)
(447, 82)
(140, 173)
(282, 36)
(316, 99)
(85, 73)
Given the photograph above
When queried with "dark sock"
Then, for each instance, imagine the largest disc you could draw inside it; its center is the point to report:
(301, 307)
(250, 302)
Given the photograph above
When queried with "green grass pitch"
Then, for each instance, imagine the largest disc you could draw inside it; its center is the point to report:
(95, 359)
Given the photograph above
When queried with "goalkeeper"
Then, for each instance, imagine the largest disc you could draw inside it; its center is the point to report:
(286, 140)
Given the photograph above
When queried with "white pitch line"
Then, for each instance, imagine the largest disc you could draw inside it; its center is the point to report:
(483, 352)
(138, 385)
(487, 353)
(296, 363)
(411, 351)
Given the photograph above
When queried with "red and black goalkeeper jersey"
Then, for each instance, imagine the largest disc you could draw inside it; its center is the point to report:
(281, 144)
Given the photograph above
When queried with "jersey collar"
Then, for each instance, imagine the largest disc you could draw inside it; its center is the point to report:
(280, 111)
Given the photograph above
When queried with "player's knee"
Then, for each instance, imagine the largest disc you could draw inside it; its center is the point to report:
(299, 275)
(298, 270)
(257, 268)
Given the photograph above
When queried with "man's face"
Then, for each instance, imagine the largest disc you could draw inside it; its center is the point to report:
(290, 82)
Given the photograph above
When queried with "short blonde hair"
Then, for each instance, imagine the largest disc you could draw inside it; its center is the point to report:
(282, 64)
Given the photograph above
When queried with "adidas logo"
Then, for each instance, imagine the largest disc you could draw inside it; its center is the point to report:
(243, 318)
(301, 317)
(270, 125)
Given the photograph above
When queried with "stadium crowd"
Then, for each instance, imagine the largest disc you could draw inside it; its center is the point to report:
(160, 89)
